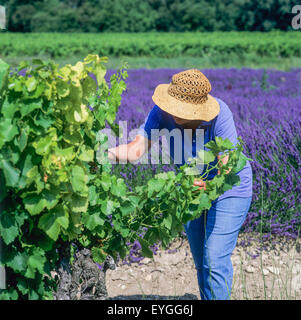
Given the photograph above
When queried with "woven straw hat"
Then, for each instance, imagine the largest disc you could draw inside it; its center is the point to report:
(187, 96)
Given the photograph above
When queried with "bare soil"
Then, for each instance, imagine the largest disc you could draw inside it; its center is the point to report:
(261, 271)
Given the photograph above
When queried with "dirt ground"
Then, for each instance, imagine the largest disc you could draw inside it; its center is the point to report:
(272, 272)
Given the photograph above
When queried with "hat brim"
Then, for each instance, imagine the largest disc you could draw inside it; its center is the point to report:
(189, 111)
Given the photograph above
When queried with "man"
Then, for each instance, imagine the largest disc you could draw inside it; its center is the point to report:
(186, 104)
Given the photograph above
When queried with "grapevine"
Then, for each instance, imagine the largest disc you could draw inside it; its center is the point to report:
(55, 193)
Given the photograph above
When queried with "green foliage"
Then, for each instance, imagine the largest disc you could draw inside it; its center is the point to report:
(4, 69)
(148, 15)
(47, 135)
(165, 45)
(55, 193)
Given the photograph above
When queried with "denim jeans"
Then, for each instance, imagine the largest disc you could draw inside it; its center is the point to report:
(212, 239)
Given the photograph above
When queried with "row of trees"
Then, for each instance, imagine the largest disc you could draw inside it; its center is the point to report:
(147, 15)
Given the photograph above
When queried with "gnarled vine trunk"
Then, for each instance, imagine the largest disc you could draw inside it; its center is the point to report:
(84, 280)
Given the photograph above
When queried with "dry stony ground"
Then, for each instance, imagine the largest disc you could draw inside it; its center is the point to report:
(273, 272)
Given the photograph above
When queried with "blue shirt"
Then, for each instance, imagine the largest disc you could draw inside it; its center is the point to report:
(222, 126)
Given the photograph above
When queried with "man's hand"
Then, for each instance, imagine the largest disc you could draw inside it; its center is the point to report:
(224, 162)
(112, 154)
(200, 183)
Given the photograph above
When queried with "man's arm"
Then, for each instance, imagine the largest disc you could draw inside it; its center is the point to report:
(143, 141)
(132, 151)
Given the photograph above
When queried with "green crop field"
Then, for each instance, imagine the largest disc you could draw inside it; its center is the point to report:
(281, 50)
(274, 44)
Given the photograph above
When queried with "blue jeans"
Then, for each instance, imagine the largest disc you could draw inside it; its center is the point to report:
(212, 239)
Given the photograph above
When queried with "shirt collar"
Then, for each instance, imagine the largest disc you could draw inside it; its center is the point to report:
(205, 124)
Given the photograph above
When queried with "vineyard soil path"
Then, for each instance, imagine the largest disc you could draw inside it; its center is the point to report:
(272, 272)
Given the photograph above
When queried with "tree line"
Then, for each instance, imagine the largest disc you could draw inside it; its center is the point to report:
(147, 15)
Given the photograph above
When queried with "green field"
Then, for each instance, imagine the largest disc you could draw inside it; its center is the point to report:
(215, 61)
(280, 50)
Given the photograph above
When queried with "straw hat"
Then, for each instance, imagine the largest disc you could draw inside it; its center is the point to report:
(187, 96)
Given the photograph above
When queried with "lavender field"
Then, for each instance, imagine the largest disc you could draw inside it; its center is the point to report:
(266, 105)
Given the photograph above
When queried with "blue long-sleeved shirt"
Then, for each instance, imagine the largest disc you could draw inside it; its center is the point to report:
(222, 126)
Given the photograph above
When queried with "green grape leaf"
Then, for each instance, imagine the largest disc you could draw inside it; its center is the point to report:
(11, 173)
(9, 294)
(62, 89)
(98, 255)
(33, 175)
(79, 180)
(23, 140)
(242, 160)
(7, 130)
(26, 167)
(23, 285)
(51, 197)
(152, 235)
(16, 260)
(31, 84)
(231, 179)
(119, 189)
(66, 154)
(86, 154)
(204, 201)
(105, 181)
(9, 229)
(134, 200)
(8, 109)
(52, 222)
(100, 72)
(145, 250)
(219, 180)
(124, 232)
(92, 221)
(224, 144)
(164, 237)
(213, 147)
(126, 208)
(34, 203)
(92, 195)
(20, 217)
(206, 156)
(73, 138)
(89, 87)
(167, 221)
(43, 121)
(108, 206)
(212, 194)
(28, 106)
(43, 145)
(35, 262)
(78, 203)
(155, 185)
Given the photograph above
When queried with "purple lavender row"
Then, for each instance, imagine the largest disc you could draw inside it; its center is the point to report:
(266, 106)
